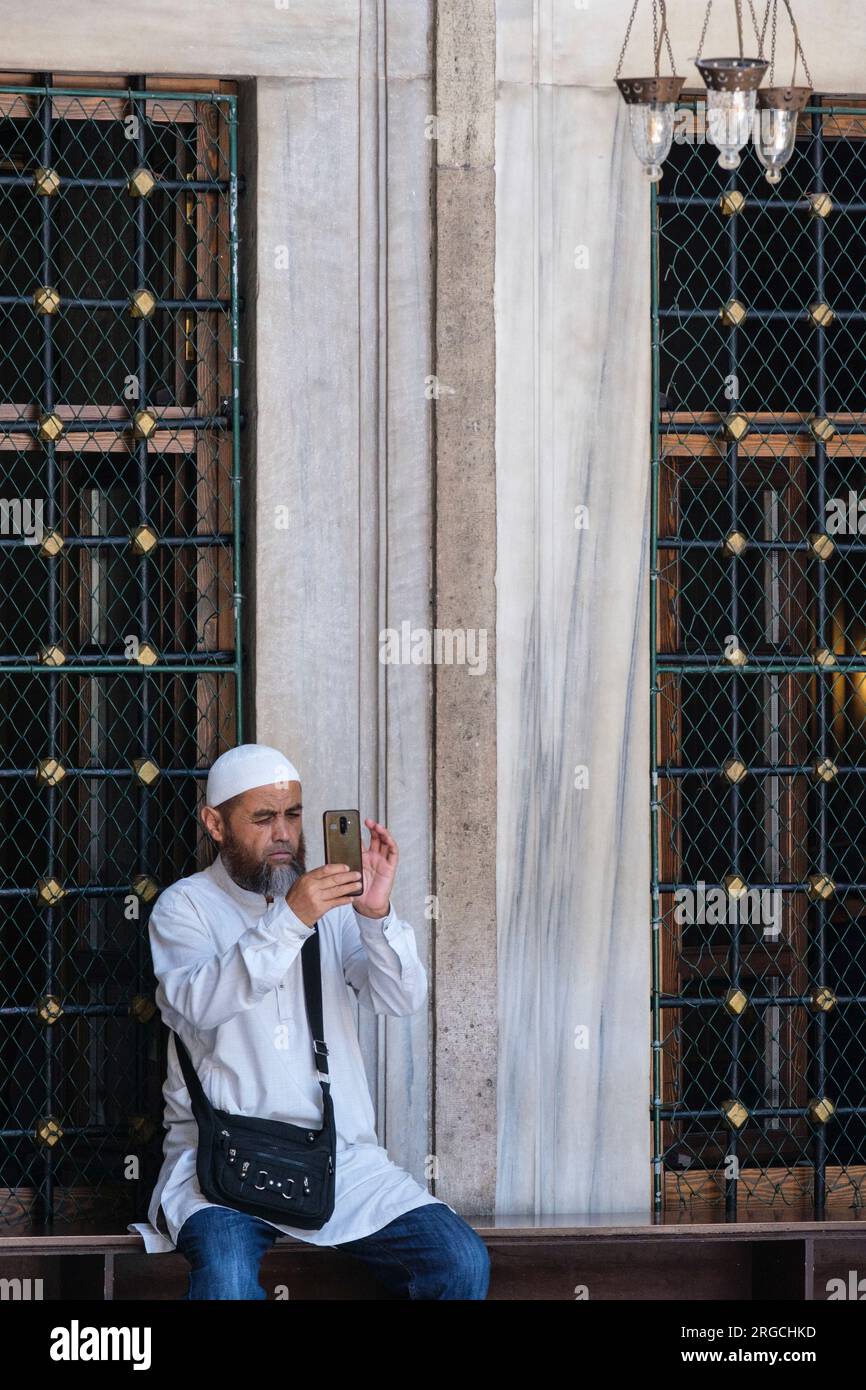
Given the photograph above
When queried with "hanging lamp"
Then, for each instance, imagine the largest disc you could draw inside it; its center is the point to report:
(779, 108)
(651, 101)
(732, 88)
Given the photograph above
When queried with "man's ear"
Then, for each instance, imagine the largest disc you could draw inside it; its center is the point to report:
(212, 822)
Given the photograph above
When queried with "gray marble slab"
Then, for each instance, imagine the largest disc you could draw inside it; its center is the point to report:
(573, 414)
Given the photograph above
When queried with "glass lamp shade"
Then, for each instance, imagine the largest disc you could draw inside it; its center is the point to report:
(732, 85)
(729, 124)
(775, 127)
(652, 103)
(652, 133)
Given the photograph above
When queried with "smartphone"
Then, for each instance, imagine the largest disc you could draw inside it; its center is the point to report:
(343, 841)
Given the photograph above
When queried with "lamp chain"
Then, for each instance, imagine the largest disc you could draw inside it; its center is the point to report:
(798, 47)
(770, 6)
(758, 36)
(626, 39)
(666, 32)
(660, 35)
(704, 30)
(738, 9)
(773, 7)
(656, 45)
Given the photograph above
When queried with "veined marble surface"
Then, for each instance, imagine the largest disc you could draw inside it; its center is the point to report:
(573, 416)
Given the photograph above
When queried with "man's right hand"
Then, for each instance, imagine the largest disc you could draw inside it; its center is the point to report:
(315, 893)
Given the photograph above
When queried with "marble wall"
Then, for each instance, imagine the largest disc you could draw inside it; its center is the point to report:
(573, 409)
(572, 429)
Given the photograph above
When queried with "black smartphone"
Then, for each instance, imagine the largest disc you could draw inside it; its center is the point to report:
(343, 841)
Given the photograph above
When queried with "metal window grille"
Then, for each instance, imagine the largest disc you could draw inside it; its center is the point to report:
(758, 696)
(120, 657)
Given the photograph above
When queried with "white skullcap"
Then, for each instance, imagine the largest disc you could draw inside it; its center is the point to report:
(247, 766)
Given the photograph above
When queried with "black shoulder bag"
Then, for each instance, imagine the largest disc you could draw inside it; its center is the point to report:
(269, 1168)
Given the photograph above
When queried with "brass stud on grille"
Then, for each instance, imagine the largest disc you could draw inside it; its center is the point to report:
(142, 1008)
(141, 304)
(51, 655)
(820, 887)
(145, 770)
(732, 201)
(735, 1113)
(50, 772)
(46, 182)
(46, 300)
(732, 313)
(825, 770)
(736, 1002)
(735, 543)
(820, 204)
(822, 1000)
(824, 657)
(821, 428)
(49, 428)
(48, 1131)
(49, 891)
(147, 654)
(735, 770)
(141, 1128)
(821, 1109)
(736, 885)
(821, 315)
(144, 422)
(821, 545)
(143, 539)
(49, 1008)
(141, 183)
(736, 657)
(736, 426)
(145, 887)
(52, 543)
(189, 347)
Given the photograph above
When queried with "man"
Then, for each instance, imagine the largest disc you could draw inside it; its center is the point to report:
(226, 946)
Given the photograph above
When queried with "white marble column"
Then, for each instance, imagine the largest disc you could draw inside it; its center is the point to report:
(342, 474)
(573, 412)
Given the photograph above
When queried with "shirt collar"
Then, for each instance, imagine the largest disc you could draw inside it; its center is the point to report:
(251, 901)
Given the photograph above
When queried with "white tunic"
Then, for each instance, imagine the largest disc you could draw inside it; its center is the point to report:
(230, 983)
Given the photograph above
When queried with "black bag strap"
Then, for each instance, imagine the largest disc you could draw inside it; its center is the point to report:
(200, 1103)
(311, 965)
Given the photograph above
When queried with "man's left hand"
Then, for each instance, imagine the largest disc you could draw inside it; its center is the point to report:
(380, 865)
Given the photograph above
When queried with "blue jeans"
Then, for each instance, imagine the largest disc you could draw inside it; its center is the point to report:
(429, 1252)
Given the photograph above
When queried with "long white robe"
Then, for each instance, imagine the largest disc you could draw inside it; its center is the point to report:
(231, 985)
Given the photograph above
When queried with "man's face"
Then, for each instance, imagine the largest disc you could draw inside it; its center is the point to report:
(260, 838)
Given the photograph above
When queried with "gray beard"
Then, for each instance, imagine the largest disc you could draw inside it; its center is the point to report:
(271, 880)
(280, 878)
